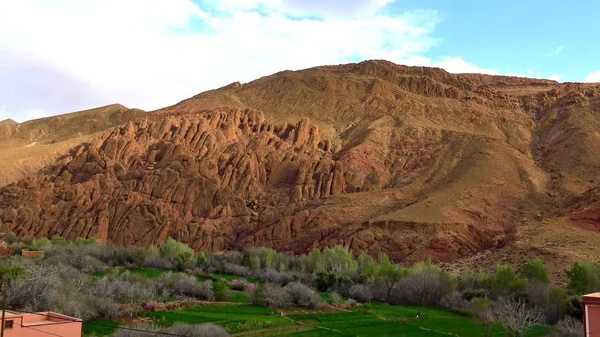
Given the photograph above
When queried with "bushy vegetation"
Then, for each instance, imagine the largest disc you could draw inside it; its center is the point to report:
(91, 280)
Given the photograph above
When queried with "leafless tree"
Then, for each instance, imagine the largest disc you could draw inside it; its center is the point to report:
(568, 327)
(515, 317)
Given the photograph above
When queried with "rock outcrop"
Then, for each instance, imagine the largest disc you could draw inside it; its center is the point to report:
(412, 161)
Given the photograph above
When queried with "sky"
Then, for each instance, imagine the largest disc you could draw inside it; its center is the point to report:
(59, 56)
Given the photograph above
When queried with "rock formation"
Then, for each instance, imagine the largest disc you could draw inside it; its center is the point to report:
(412, 161)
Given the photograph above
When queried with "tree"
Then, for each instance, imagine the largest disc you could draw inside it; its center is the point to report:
(339, 260)
(10, 238)
(535, 272)
(482, 315)
(7, 274)
(390, 274)
(584, 277)
(180, 254)
(425, 284)
(569, 327)
(219, 290)
(267, 257)
(506, 282)
(515, 317)
(367, 267)
(317, 262)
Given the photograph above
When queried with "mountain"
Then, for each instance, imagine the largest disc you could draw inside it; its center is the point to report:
(469, 169)
(28, 147)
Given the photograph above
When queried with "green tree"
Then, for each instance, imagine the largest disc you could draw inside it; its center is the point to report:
(339, 260)
(59, 241)
(219, 289)
(40, 243)
(584, 277)
(317, 262)
(390, 274)
(367, 267)
(506, 282)
(180, 254)
(268, 257)
(535, 272)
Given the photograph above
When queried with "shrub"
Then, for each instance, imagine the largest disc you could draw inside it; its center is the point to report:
(187, 285)
(361, 293)
(454, 301)
(10, 238)
(574, 307)
(271, 276)
(350, 303)
(326, 281)
(470, 294)
(535, 272)
(515, 317)
(256, 293)
(179, 254)
(506, 282)
(238, 284)
(40, 244)
(219, 290)
(425, 285)
(59, 241)
(276, 297)
(302, 295)
(106, 307)
(157, 262)
(568, 327)
(233, 269)
(336, 299)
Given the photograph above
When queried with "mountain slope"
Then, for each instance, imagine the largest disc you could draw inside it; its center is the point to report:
(412, 161)
(27, 147)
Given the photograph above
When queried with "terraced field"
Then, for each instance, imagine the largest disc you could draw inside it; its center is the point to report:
(245, 319)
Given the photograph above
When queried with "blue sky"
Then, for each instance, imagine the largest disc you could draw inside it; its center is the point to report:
(517, 36)
(67, 55)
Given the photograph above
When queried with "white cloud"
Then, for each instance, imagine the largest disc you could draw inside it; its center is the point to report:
(153, 53)
(458, 65)
(593, 77)
(555, 77)
(69, 55)
(555, 51)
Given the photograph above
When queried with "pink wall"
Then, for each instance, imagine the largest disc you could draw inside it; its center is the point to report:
(591, 315)
(43, 325)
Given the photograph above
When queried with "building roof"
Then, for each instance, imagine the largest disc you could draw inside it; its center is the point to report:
(593, 298)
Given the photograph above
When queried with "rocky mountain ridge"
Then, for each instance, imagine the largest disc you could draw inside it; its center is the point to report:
(412, 161)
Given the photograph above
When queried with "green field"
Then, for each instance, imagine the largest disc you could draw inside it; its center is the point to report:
(374, 319)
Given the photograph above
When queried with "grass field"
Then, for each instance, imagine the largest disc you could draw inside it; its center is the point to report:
(373, 319)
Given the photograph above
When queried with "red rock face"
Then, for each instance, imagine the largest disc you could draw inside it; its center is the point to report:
(222, 179)
(411, 161)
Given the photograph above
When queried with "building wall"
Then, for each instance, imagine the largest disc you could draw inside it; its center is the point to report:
(70, 329)
(592, 320)
(63, 329)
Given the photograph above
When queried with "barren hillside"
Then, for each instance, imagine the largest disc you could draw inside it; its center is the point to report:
(413, 161)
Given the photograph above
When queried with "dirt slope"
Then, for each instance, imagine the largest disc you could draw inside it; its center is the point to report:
(413, 161)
